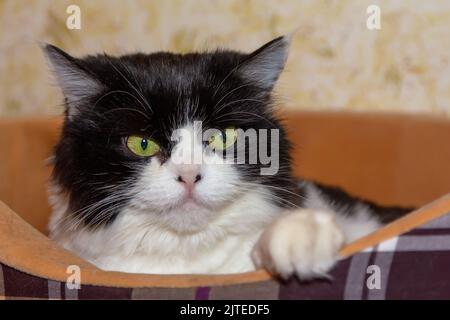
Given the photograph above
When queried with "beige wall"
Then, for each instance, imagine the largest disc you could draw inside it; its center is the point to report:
(335, 61)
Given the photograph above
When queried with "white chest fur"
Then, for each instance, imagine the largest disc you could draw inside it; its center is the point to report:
(136, 243)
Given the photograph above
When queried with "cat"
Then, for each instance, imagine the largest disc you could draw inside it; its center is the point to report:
(122, 201)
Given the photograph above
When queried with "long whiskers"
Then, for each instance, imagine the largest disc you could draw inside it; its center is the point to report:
(130, 84)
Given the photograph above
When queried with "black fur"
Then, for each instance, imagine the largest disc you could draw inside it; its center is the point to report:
(147, 94)
(345, 204)
(151, 95)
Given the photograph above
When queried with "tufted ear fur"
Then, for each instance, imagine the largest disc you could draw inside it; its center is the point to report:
(264, 65)
(76, 82)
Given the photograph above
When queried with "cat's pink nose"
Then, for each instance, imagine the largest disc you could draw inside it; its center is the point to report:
(189, 177)
(189, 181)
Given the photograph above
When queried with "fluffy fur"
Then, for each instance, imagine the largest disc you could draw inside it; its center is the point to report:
(154, 215)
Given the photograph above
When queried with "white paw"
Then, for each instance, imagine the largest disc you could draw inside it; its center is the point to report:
(304, 242)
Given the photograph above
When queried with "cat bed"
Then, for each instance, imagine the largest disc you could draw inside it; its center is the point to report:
(390, 159)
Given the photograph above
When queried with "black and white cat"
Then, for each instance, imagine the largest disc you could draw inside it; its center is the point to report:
(123, 202)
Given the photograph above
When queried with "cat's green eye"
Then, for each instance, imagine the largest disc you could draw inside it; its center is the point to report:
(223, 140)
(142, 146)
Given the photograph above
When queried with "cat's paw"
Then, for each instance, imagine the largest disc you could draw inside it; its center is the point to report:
(305, 243)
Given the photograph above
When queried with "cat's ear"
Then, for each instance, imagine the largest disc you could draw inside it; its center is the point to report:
(263, 66)
(76, 82)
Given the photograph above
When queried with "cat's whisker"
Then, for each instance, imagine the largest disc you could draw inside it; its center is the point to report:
(226, 116)
(128, 109)
(90, 209)
(227, 94)
(129, 83)
(277, 188)
(220, 108)
(140, 91)
(269, 196)
(226, 78)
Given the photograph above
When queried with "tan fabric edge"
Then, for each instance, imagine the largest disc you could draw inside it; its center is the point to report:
(24, 248)
(415, 219)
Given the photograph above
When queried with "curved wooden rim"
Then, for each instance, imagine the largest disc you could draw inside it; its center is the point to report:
(26, 249)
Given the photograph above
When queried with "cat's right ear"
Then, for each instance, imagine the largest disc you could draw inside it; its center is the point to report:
(76, 82)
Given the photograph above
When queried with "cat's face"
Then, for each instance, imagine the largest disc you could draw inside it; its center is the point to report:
(128, 120)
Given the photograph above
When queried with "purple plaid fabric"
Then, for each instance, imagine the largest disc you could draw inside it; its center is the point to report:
(414, 265)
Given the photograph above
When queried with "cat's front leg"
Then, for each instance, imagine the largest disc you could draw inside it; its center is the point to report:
(304, 242)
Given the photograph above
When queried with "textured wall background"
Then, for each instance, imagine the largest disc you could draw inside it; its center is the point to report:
(335, 61)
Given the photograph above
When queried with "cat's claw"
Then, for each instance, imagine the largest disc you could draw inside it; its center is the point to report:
(304, 242)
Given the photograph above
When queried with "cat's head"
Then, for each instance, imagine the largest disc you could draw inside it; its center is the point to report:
(129, 118)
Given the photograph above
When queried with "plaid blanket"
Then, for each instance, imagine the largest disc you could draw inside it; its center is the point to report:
(415, 265)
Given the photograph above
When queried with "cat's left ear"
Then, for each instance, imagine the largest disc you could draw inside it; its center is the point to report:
(264, 66)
